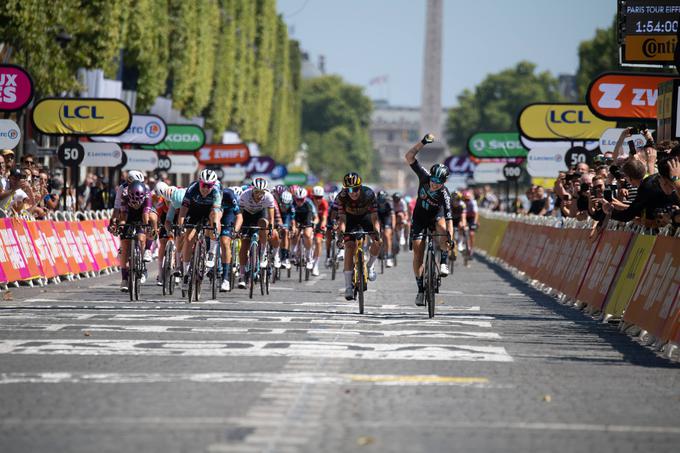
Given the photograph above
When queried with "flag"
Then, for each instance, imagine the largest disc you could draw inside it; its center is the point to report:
(378, 80)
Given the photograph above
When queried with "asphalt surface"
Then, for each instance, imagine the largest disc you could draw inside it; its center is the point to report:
(502, 367)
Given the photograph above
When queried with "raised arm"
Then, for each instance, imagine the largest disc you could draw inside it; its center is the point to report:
(411, 153)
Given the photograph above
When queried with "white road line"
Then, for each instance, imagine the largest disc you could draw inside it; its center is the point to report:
(245, 330)
(256, 349)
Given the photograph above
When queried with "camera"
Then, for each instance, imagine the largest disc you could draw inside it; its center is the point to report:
(615, 171)
(607, 195)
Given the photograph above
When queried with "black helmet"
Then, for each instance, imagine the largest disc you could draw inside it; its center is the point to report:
(439, 173)
(351, 180)
(397, 195)
(382, 195)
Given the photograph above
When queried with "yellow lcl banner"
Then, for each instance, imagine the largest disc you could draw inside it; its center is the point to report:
(561, 122)
(81, 116)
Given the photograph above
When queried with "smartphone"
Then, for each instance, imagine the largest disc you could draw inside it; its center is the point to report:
(631, 148)
(607, 194)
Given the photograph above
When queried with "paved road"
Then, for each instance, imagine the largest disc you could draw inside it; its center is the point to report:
(501, 368)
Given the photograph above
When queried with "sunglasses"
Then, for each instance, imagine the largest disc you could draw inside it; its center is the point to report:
(29, 162)
(436, 180)
(205, 185)
(299, 200)
(353, 189)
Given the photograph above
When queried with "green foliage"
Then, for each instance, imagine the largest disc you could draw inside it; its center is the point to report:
(244, 94)
(184, 26)
(209, 17)
(335, 119)
(497, 100)
(219, 115)
(265, 44)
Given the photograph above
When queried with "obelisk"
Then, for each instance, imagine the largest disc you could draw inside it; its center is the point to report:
(431, 93)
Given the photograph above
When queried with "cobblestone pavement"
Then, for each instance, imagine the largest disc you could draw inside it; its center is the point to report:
(501, 367)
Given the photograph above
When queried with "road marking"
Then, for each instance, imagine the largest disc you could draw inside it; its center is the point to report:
(245, 330)
(256, 349)
(268, 378)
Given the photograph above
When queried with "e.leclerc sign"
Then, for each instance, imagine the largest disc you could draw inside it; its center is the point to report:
(181, 137)
(496, 144)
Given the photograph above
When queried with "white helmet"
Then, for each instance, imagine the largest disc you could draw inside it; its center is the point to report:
(260, 183)
(135, 175)
(208, 176)
(160, 188)
(301, 193)
(167, 193)
(237, 190)
(318, 191)
(286, 197)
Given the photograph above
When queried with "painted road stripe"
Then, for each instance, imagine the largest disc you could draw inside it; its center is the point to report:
(256, 349)
(244, 330)
(269, 378)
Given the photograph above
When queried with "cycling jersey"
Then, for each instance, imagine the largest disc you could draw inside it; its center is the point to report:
(305, 213)
(287, 214)
(121, 191)
(457, 210)
(175, 203)
(322, 209)
(430, 203)
(400, 206)
(230, 209)
(385, 213)
(134, 214)
(365, 204)
(470, 208)
(193, 197)
(248, 203)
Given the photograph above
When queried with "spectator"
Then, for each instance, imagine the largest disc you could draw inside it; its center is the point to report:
(489, 199)
(539, 202)
(18, 191)
(101, 196)
(8, 154)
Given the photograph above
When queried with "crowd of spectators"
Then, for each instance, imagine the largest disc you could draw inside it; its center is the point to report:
(630, 184)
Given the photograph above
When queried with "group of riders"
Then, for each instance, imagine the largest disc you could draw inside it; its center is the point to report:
(293, 222)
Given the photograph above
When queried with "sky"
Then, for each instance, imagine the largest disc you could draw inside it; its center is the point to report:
(365, 39)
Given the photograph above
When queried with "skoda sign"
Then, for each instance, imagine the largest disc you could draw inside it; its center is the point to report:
(9, 134)
(81, 116)
(181, 137)
(496, 144)
(144, 130)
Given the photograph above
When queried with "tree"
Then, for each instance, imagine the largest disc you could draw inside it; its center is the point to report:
(206, 42)
(497, 100)
(184, 25)
(265, 45)
(244, 90)
(219, 114)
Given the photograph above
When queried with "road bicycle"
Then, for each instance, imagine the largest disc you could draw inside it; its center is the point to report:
(136, 266)
(235, 250)
(170, 263)
(431, 276)
(301, 258)
(197, 266)
(254, 270)
(360, 271)
(333, 257)
(464, 246)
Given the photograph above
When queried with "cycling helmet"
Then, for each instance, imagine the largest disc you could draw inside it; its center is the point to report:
(300, 193)
(382, 195)
(439, 173)
(260, 183)
(467, 195)
(237, 190)
(286, 198)
(160, 189)
(136, 193)
(456, 195)
(397, 195)
(318, 191)
(351, 180)
(293, 188)
(279, 189)
(208, 177)
(135, 175)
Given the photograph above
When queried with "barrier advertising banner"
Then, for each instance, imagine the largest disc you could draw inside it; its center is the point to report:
(81, 116)
(10, 134)
(144, 130)
(16, 88)
(623, 96)
(224, 154)
(181, 137)
(561, 122)
(496, 144)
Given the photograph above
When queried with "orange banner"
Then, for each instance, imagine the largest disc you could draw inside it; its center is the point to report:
(47, 261)
(88, 228)
(69, 247)
(49, 233)
(33, 263)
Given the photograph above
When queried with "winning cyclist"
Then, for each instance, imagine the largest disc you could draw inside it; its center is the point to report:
(135, 207)
(357, 210)
(432, 211)
(231, 223)
(320, 228)
(202, 201)
(386, 216)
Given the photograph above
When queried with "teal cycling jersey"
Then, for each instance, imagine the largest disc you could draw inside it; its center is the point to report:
(175, 203)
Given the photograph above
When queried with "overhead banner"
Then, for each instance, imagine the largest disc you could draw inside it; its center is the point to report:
(81, 116)
(10, 134)
(611, 136)
(647, 30)
(144, 130)
(621, 96)
(496, 144)
(560, 122)
(101, 154)
(259, 165)
(224, 154)
(460, 165)
(183, 163)
(235, 174)
(16, 88)
(546, 162)
(181, 137)
(140, 159)
(489, 172)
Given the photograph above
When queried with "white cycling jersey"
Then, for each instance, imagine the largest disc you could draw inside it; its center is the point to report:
(247, 202)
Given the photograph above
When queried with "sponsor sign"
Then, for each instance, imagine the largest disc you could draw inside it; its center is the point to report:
(489, 172)
(611, 136)
(144, 130)
(512, 172)
(460, 165)
(81, 116)
(164, 163)
(279, 172)
(259, 165)
(181, 137)
(647, 30)
(546, 162)
(224, 154)
(578, 155)
(183, 163)
(71, 153)
(649, 49)
(139, 159)
(496, 144)
(533, 144)
(10, 134)
(621, 96)
(233, 173)
(16, 88)
(560, 122)
(298, 178)
(101, 154)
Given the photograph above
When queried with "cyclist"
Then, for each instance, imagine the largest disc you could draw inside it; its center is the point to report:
(305, 218)
(135, 207)
(121, 191)
(174, 197)
(357, 210)
(401, 217)
(386, 216)
(332, 227)
(458, 219)
(471, 217)
(432, 211)
(287, 209)
(320, 228)
(257, 206)
(232, 219)
(160, 207)
(202, 201)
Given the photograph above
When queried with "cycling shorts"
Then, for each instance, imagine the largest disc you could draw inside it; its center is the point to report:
(357, 223)
(385, 220)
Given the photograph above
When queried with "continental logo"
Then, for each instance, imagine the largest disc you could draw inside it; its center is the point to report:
(653, 48)
(70, 116)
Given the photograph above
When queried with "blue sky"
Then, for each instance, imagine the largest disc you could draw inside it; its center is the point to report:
(363, 39)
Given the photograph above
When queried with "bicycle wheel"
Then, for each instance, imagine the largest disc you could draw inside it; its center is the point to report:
(252, 268)
(140, 268)
(166, 277)
(263, 275)
(431, 283)
(300, 264)
(132, 272)
(234, 265)
(200, 268)
(333, 259)
(359, 285)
